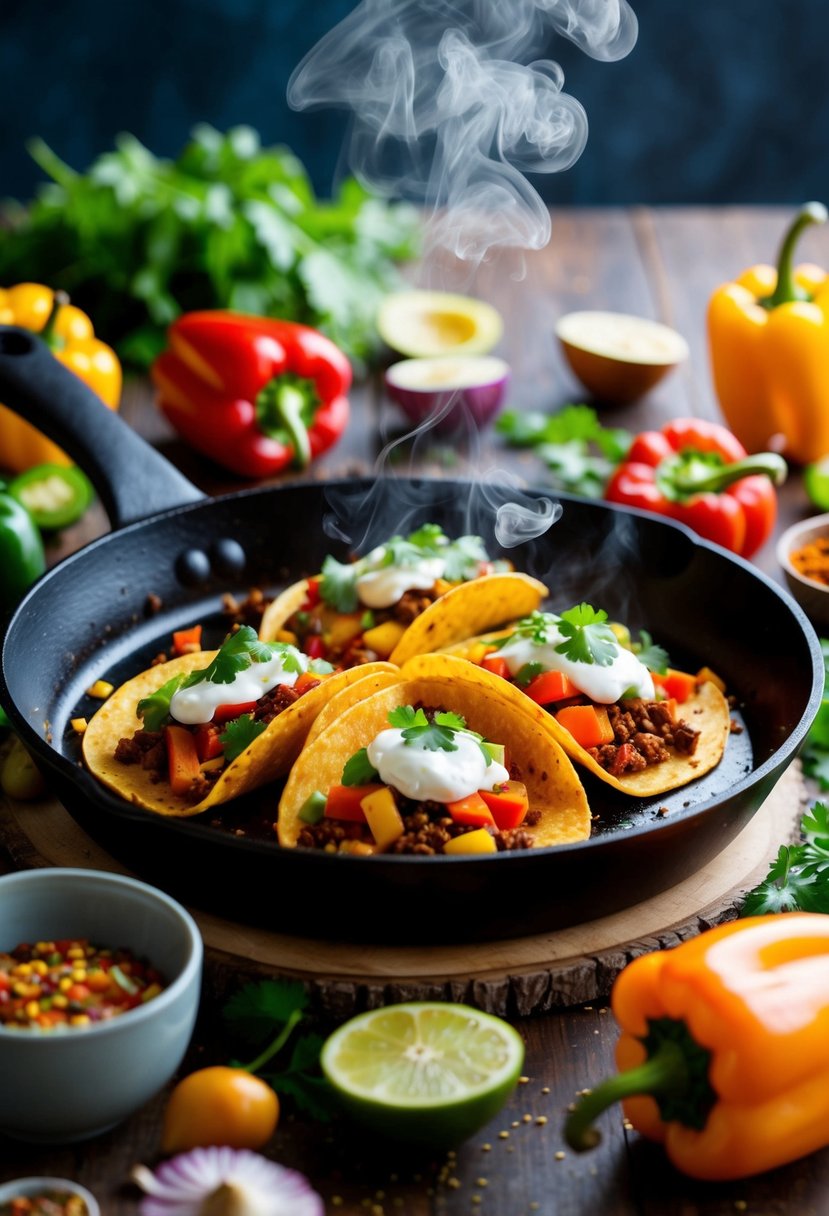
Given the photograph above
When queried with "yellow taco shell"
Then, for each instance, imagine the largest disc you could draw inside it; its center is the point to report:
(453, 684)
(269, 756)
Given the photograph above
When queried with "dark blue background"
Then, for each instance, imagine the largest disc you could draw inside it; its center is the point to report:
(720, 100)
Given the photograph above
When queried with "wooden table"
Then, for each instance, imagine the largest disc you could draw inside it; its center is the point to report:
(660, 264)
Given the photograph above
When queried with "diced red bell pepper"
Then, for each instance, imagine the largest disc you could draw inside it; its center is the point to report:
(508, 804)
(494, 663)
(312, 595)
(471, 811)
(306, 682)
(182, 758)
(185, 641)
(208, 742)
(588, 726)
(224, 713)
(551, 686)
(315, 647)
(343, 802)
(621, 761)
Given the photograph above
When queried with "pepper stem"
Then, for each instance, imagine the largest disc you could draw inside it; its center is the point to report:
(281, 409)
(688, 474)
(59, 300)
(787, 288)
(666, 1071)
(276, 1046)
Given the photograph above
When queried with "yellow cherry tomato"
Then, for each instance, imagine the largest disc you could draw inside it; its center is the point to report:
(219, 1105)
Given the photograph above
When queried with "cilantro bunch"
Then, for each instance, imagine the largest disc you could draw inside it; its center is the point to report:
(580, 453)
(461, 558)
(587, 638)
(228, 224)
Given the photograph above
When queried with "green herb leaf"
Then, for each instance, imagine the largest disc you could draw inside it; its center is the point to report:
(587, 637)
(338, 584)
(227, 224)
(526, 674)
(536, 627)
(406, 715)
(437, 735)
(238, 735)
(654, 657)
(303, 1081)
(257, 1009)
(154, 710)
(787, 888)
(578, 451)
(463, 558)
(359, 770)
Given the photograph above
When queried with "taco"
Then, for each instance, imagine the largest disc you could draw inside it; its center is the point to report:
(412, 595)
(615, 707)
(443, 761)
(210, 726)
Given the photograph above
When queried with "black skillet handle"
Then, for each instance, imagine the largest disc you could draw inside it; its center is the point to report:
(131, 477)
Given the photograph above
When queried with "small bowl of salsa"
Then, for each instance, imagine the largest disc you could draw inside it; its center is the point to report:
(46, 1197)
(100, 978)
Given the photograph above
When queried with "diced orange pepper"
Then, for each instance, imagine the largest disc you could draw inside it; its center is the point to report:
(494, 663)
(343, 801)
(677, 684)
(186, 641)
(308, 680)
(585, 724)
(508, 804)
(551, 686)
(182, 758)
(471, 810)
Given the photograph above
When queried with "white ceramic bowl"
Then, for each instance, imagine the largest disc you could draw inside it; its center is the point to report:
(42, 1186)
(70, 1084)
(812, 596)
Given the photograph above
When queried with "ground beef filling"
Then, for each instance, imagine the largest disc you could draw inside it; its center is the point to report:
(311, 623)
(148, 748)
(427, 829)
(643, 731)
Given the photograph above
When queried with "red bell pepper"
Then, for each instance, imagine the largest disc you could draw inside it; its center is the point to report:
(699, 474)
(254, 394)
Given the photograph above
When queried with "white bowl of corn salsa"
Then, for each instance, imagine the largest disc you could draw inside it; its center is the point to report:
(46, 1197)
(100, 977)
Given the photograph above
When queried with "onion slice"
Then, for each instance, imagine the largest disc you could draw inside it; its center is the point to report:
(221, 1181)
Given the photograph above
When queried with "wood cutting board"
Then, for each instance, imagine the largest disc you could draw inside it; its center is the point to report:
(515, 978)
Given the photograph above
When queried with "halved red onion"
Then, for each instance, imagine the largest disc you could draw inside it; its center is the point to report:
(221, 1179)
(449, 391)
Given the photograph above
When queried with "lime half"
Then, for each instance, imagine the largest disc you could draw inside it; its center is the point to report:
(426, 1073)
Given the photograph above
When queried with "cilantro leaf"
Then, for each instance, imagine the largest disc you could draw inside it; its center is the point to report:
(654, 657)
(428, 536)
(359, 770)
(238, 735)
(526, 674)
(463, 558)
(406, 715)
(816, 764)
(256, 1008)
(788, 888)
(437, 735)
(235, 654)
(578, 451)
(338, 584)
(536, 627)
(447, 717)
(587, 638)
(303, 1080)
(154, 710)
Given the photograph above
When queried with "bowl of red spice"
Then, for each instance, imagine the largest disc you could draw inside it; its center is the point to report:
(100, 978)
(803, 554)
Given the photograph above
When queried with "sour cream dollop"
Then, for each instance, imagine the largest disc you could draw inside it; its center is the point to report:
(198, 703)
(625, 676)
(433, 776)
(383, 586)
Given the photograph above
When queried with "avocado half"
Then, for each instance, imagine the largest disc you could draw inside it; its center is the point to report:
(428, 323)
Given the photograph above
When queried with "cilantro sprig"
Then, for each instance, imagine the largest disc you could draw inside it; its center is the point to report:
(798, 878)
(238, 735)
(654, 657)
(431, 734)
(587, 636)
(288, 1062)
(580, 453)
(461, 558)
(236, 654)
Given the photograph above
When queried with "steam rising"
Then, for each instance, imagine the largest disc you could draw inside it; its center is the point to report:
(451, 108)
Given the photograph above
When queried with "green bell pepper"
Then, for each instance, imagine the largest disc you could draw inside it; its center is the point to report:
(22, 559)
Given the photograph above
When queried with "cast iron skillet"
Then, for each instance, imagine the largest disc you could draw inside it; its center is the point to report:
(88, 618)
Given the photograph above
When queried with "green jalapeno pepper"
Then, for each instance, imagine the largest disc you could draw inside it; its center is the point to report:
(54, 495)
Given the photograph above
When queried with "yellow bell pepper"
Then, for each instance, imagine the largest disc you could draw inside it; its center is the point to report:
(70, 334)
(768, 336)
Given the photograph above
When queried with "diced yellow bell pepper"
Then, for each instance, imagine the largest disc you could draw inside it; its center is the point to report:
(382, 639)
(383, 817)
(479, 841)
(101, 689)
(705, 673)
(342, 629)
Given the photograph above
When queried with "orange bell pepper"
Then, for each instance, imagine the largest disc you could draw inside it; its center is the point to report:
(182, 758)
(588, 724)
(69, 333)
(724, 1052)
(768, 337)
